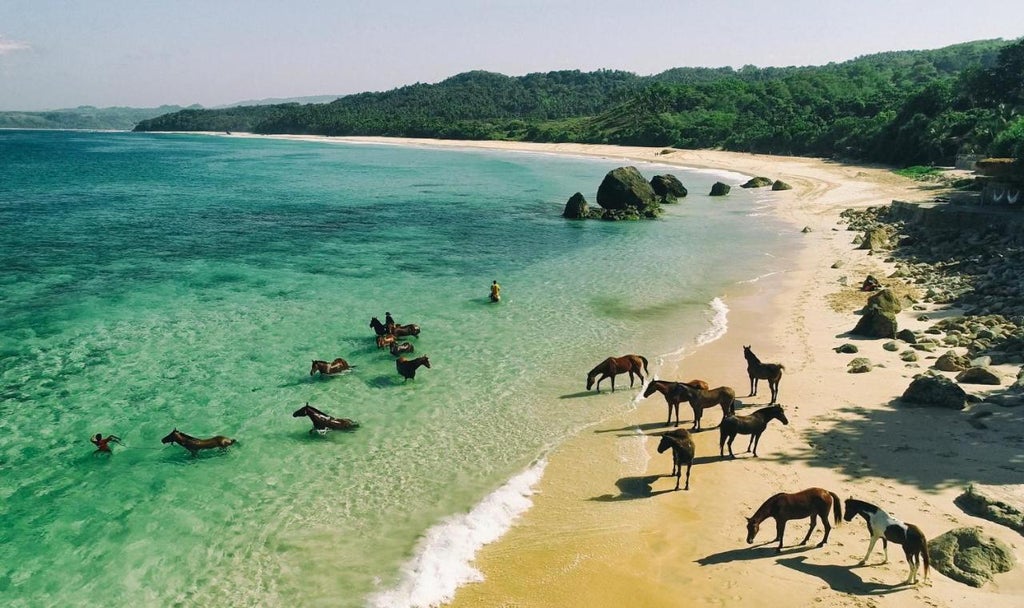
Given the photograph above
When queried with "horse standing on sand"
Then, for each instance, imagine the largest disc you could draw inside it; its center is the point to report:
(700, 399)
(326, 369)
(888, 528)
(323, 422)
(752, 425)
(613, 366)
(672, 398)
(398, 330)
(407, 367)
(682, 448)
(193, 444)
(772, 372)
(812, 502)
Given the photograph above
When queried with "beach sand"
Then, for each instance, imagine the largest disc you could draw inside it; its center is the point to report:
(606, 529)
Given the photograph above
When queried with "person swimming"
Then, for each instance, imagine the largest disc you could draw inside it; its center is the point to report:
(103, 443)
(495, 291)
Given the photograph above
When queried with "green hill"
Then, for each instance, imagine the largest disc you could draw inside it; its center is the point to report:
(83, 117)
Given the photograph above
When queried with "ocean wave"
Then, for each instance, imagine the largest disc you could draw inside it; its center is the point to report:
(719, 323)
(442, 561)
(759, 277)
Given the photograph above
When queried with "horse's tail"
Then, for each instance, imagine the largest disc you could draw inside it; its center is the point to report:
(916, 533)
(837, 507)
(644, 359)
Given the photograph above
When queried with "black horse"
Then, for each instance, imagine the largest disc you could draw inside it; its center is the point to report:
(772, 372)
(398, 330)
(681, 444)
(407, 367)
(752, 425)
(323, 422)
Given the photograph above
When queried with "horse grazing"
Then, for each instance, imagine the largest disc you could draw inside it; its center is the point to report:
(812, 502)
(408, 367)
(612, 366)
(323, 422)
(386, 340)
(398, 330)
(682, 453)
(193, 444)
(701, 398)
(397, 348)
(326, 369)
(772, 372)
(888, 528)
(665, 388)
(752, 425)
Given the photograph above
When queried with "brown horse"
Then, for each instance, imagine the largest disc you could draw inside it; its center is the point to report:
(398, 330)
(326, 369)
(752, 425)
(386, 340)
(888, 528)
(700, 399)
(408, 367)
(772, 372)
(812, 502)
(682, 453)
(612, 366)
(397, 348)
(323, 422)
(665, 388)
(193, 444)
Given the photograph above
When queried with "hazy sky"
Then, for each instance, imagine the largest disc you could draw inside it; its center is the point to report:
(142, 53)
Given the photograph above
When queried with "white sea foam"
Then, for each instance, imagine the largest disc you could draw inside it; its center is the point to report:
(719, 323)
(759, 277)
(442, 561)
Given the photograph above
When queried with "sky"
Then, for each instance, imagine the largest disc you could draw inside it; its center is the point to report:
(146, 53)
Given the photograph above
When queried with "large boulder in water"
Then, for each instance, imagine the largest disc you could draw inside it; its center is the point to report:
(935, 390)
(780, 185)
(720, 189)
(970, 556)
(576, 207)
(623, 188)
(757, 182)
(668, 187)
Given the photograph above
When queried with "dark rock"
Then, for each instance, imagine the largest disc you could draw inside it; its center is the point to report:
(875, 323)
(969, 556)
(884, 300)
(846, 348)
(806, 230)
(891, 346)
(625, 188)
(951, 362)
(860, 365)
(935, 391)
(668, 186)
(877, 239)
(576, 208)
(781, 185)
(720, 189)
(978, 375)
(907, 336)
(1001, 504)
(757, 182)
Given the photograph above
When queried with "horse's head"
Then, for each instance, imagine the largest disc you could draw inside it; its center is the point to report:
(590, 380)
(374, 321)
(782, 415)
(302, 411)
(426, 362)
(171, 437)
(664, 444)
(851, 512)
(752, 527)
(313, 369)
(649, 391)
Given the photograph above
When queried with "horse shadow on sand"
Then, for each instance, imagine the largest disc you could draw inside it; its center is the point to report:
(632, 488)
(750, 552)
(839, 578)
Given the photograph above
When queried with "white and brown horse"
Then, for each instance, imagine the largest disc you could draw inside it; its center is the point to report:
(888, 528)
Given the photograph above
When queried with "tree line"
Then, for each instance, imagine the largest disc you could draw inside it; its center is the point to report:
(901, 108)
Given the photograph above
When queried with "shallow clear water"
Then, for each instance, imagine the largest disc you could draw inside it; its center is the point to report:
(149, 282)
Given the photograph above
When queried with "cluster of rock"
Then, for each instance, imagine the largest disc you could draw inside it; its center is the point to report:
(625, 194)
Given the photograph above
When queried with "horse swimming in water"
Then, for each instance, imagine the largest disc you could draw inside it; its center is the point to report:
(888, 528)
(752, 425)
(681, 444)
(398, 348)
(812, 502)
(323, 422)
(193, 444)
(613, 366)
(398, 330)
(326, 369)
(772, 372)
(672, 398)
(700, 399)
(407, 367)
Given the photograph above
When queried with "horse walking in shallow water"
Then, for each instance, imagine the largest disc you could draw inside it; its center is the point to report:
(613, 366)
(407, 367)
(812, 502)
(772, 372)
(700, 399)
(326, 369)
(398, 348)
(323, 422)
(672, 398)
(193, 444)
(752, 425)
(888, 528)
(681, 444)
(398, 330)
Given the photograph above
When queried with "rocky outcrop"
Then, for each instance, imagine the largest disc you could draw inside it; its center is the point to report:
(970, 556)
(576, 208)
(780, 185)
(875, 323)
(951, 362)
(757, 182)
(668, 188)
(979, 375)
(878, 239)
(860, 365)
(1001, 504)
(935, 390)
(720, 189)
(625, 194)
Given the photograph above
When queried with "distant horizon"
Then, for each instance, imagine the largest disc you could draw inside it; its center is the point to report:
(55, 56)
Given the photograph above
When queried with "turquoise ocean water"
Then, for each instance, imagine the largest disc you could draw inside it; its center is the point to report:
(149, 282)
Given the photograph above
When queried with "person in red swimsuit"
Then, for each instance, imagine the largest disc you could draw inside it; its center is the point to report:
(103, 443)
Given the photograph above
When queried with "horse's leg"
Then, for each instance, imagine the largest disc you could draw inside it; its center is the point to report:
(780, 531)
(722, 436)
(753, 385)
(828, 528)
(911, 561)
(679, 468)
(871, 545)
(814, 524)
(885, 550)
(754, 438)
(688, 465)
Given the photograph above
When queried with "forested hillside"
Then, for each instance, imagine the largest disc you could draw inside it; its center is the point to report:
(82, 117)
(904, 108)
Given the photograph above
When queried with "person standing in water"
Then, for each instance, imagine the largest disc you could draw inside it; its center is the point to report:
(495, 291)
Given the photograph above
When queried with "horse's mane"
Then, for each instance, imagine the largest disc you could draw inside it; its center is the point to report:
(859, 504)
(185, 435)
(764, 511)
(600, 367)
